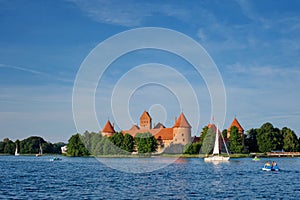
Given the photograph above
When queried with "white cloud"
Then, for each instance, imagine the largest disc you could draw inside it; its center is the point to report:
(126, 13)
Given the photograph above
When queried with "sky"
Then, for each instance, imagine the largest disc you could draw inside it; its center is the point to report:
(43, 45)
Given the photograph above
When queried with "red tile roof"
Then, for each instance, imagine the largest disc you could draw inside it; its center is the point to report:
(236, 124)
(182, 122)
(108, 128)
(145, 115)
(164, 134)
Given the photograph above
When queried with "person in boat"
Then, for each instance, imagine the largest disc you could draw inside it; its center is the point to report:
(274, 164)
(267, 165)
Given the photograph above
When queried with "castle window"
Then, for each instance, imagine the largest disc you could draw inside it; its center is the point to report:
(182, 134)
(175, 140)
(183, 140)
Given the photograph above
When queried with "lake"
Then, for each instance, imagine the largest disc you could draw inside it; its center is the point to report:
(32, 177)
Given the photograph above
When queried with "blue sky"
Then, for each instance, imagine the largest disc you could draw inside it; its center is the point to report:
(255, 45)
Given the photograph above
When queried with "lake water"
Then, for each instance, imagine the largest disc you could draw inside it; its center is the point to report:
(31, 177)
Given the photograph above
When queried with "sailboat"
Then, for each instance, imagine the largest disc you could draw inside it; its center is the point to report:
(16, 152)
(40, 151)
(216, 152)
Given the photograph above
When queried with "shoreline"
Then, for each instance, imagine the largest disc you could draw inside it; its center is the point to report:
(168, 156)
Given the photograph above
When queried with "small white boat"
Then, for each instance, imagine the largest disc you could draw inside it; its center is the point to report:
(16, 152)
(216, 152)
(40, 151)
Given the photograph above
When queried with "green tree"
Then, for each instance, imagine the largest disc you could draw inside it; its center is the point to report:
(290, 140)
(76, 146)
(269, 138)
(31, 145)
(224, 133)
(9, 147)
(117, 139)
(128, 143)
(251, 141)
(203, 134)
(235, 140)
(193, 148)
(146, 143)
(208, 140)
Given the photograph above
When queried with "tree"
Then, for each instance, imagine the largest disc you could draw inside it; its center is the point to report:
(9, 147)
(117, 139)
(145, 142)
(269, 138)
(203, 134)
(251, 140)
(31, 145)
(193, 148)
(208, 140)
(290, 140)
(76, 147)
(235, 140)
(224, 133)
(128, 143)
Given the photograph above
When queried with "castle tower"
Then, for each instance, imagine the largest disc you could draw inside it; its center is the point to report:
(182, 131)
(108, 129)
(145, 121)
(236, 123)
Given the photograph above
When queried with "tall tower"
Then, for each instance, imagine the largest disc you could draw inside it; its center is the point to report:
(236, 123)
(182, 131)
(145, 121)
(108, 129)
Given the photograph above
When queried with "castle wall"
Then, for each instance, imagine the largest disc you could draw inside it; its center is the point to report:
(182, 135)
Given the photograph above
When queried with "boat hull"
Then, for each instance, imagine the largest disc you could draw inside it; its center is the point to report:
(216, 158)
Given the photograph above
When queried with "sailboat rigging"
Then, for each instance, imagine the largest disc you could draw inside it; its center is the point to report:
(40, 151)
(216, 152)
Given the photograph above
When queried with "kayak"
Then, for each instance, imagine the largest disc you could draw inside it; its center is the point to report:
(266, 168)
(269, 168)
(256, 159)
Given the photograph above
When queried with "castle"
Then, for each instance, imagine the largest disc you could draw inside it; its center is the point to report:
(179, 133)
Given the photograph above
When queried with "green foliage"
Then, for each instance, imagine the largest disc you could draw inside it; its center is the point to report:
(290, 140)
(128, 143)
(235, 140)
(224, 133)
(31, 145)
(251, 141)
(76, 146)
(203, 134)
(193, 148)
(269, 138)
(145, 142)
(208, 141)
(7, 146)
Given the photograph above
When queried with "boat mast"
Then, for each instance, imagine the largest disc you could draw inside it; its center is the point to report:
(216, 147)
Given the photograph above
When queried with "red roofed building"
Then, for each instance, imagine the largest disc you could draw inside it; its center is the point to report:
(236, 123)
(108, 129)
(180, 133)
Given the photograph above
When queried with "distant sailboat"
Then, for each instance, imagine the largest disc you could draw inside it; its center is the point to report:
(216, 152)
(40, 151)
(16, 152)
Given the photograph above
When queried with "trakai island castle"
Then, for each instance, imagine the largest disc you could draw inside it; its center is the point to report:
(179, 133)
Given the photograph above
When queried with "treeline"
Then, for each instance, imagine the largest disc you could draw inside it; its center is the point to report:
(264, 139)
(118, 144)
(30, 145)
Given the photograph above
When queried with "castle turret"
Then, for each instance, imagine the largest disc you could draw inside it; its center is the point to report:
(182, 131)
(108, 129)
(236, 123)
(145, 121)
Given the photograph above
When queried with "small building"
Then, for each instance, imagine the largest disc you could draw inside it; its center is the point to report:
(236, 123)
(108, 129)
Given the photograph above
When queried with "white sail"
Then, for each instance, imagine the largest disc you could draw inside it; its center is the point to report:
(16, 152)
(216, 147)
(216, 153)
